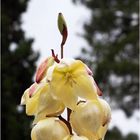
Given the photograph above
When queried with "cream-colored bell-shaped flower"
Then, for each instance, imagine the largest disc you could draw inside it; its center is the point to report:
(101, 132)
(49, 129)
(75, 137)
(106, 119)
(106, 111)
(86, 119)
(69, 80)
(40, 103)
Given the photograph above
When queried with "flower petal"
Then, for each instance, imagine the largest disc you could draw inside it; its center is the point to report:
(68, 81)
(86, 119)
(102, 131)
(50, 129)
(75, 137)
(106, 111)
(85, 88)
(47, 105)
(31, 104)
(24, 98)
(41, 103)
(63, 91)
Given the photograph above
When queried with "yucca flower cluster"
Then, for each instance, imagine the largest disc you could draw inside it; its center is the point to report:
(66, 84)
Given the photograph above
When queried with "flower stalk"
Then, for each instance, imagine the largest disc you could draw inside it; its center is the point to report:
(62, 51)
(63, 30)
(59, 84)
(67, 123)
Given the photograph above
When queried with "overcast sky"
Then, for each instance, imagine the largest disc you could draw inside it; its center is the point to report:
(40, 23)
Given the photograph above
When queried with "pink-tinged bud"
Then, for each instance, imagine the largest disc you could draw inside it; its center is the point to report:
(41, 71)
(99, 92)
(89, 70)
(32, 89)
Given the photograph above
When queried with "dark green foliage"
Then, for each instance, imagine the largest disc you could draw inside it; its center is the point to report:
(113, 54)
(115, 134)
(18, 66)
(113, 34)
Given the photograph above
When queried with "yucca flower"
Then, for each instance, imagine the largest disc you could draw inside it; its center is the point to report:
(86, 119)
(75, 137)
(49, 129)
(69, 80)
(106, 119)
(101, 132)
(66, 83)
(91, 119)
(106, 111)
(40, 103)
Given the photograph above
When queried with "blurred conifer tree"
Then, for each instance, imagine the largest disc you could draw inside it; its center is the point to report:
(113, 53)
(116, 134)
(18, 66)
(112, 34)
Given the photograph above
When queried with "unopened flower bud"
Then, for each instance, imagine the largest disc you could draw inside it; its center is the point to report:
(75, 137)
(42, 70)
(106, 111)
(49, 129)
(86, 119)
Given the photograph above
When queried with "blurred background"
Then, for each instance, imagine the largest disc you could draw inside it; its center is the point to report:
(104, 34)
